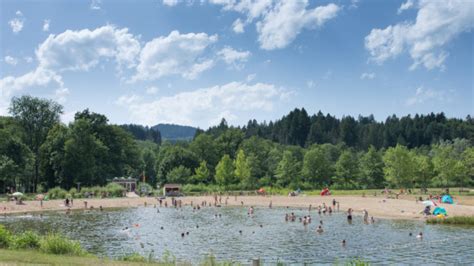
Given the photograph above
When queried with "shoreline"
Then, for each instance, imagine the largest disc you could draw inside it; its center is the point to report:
(378, 207)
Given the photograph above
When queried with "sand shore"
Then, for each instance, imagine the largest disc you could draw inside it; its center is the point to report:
(376, 206)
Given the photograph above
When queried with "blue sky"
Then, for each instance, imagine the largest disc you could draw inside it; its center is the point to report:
(194, 62)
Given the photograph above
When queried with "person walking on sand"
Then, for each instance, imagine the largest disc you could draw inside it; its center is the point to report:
(85, 204)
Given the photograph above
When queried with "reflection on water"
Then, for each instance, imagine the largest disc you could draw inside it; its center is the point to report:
(275, 240)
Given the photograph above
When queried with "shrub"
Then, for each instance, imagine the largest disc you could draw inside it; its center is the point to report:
(144, 188)
(27, 240)
(115, 190)
(59, 245)
(455, 220)
(73, 192)
(134, 257)
(57, 193)
(5, 237)
(98, 191)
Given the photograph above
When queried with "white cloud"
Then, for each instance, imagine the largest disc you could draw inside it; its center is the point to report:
(40, 77)
(95, 4)
(423, 95)
(202, 107)
(10, 60)
(82, 50)
(16, 24)
(170, 2)
(176, 53)
(437, 24)
(60, 95)
(367, 75)
(152, 90)
(278, 22)
(405, 6)
(46, 23)
(310, 84)
(238, 26)
(233, 57)
(282, 24)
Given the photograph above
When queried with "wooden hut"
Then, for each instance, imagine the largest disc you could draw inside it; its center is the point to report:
(172, 190)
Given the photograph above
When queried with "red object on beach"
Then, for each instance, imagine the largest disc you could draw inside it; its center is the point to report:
(261, 190)
(325, 192)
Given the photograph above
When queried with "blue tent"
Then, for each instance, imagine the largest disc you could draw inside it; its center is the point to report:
(447, 199)
(439, 210)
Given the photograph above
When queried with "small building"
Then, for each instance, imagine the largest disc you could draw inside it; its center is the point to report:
(172, 190)
(130, 184)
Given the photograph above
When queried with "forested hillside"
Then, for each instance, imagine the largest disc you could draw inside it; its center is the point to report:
(38, 152)
(299, 128)
(175, 132)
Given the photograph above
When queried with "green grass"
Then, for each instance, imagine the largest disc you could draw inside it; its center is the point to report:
(15, 257)
(455, 220)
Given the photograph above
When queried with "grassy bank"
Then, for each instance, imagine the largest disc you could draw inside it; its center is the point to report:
(455, 220)
(15, 257)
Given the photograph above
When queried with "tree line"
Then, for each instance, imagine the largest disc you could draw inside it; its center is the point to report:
(37, 151)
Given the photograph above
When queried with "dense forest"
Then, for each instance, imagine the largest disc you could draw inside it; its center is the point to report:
(38, 152)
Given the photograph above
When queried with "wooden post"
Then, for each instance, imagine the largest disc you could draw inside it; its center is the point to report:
(255, 262)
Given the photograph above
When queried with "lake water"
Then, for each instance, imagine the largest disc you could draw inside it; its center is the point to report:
(386, 241)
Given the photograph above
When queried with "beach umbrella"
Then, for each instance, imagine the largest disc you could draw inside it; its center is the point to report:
(40, 197)
(17, 194)
(440, 210)
(447, 199)
(428, 203)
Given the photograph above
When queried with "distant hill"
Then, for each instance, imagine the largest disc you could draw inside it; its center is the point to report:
(175, 132)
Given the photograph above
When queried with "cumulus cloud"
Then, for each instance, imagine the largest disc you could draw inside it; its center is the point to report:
(72, 51)
(405, 6)
(366, 75)
(238, 26)
(423, 95)
(82, 50)
(46, 23)
(176, 53)
(10, 60)
(38, 78)
(16, 24)
(437, 24)
(202, 107)
(233, 57)
(170, 2)
(278, 22)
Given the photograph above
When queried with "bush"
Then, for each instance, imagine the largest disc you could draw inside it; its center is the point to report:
(73, 192)
(57, 193)
(59, 245)
(134, 257)
(115, 190)
(144, 189)
(27, 240)
(455, 220)
(98, 191)
(5, 237)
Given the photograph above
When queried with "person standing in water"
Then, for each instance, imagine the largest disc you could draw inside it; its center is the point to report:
(349, 215)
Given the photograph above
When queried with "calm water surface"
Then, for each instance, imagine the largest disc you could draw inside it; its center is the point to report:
(386, 241)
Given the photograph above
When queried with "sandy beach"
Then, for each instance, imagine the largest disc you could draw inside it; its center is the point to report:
(377, 207)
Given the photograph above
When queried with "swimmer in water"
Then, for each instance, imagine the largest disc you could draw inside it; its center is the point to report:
(420, 235)
(343, 243)
(320, 230)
